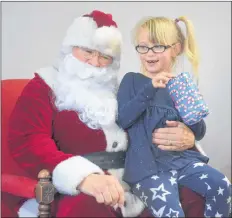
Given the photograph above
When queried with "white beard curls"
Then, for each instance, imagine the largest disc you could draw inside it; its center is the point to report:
(88, 90)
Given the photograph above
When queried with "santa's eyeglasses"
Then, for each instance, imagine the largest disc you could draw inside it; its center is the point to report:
(89, 54)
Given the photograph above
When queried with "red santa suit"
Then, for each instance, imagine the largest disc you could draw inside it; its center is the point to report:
(49, 130)
(66, 112)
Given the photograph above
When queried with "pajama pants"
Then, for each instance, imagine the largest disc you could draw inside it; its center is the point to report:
(160, 193)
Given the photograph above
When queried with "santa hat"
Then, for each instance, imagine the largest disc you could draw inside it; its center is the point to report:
(97, 31)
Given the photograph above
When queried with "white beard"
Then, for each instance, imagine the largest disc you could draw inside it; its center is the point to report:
(88, 90)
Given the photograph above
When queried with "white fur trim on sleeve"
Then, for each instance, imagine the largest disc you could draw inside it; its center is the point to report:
(48, 74)
(30, 208)
(115, 134)
(134, 206)
(199, 148)
(68, 174)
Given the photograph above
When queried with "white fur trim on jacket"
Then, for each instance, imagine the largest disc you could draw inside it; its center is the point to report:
(84, 32)
(68, 174)
(49, 75)
(114, 134)
(133, 207)
(30, 208)
(199, 148)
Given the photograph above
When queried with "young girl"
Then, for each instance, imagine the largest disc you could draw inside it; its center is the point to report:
(144, 104)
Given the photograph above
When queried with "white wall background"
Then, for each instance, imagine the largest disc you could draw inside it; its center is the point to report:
(32, 33)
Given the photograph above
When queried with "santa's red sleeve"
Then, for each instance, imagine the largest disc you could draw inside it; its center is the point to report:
(31, 144)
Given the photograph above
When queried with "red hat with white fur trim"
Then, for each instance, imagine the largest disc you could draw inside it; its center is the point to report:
(97, 31)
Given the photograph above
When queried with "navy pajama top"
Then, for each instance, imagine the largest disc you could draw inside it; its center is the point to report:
(141, 109)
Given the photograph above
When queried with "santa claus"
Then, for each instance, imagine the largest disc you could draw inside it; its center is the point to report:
(64, 121)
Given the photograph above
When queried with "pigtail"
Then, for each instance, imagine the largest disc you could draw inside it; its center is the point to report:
(190, 47)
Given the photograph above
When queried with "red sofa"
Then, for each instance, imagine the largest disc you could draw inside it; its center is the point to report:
(14, 188)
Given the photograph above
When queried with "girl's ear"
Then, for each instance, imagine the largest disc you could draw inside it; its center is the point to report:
(176, 50)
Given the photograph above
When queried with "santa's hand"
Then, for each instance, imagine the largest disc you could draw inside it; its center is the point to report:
(105, 188)
(175, 137)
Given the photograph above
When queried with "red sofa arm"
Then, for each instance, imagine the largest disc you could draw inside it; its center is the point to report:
(18, 185)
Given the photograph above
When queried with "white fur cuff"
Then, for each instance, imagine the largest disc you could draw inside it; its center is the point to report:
(69, 174)
(134, 206)
(30, 208)
(199, 148)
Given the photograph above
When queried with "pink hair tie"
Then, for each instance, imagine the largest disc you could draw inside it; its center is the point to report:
(177, 20)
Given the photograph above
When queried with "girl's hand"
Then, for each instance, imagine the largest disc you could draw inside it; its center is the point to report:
(161, 79)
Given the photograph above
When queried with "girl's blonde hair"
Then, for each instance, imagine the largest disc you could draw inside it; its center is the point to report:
(166, 31)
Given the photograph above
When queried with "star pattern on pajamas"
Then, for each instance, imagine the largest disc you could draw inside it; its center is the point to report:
(172, 213)
(203, 176)
(208, 207)
(229, 200)
(214, 199)
(218, 214)
(208, 186)
(158, 213)
(155, 177)
(220, 191)
(227, 181)
(172, 180)
(138, 186)
(200, 164)
(159, 189)
(206, 216)
(174, 172)
(181, 177)
(156, 194)
(144, 198)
